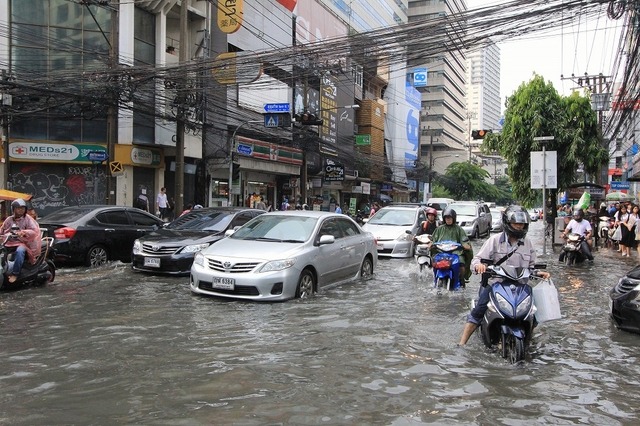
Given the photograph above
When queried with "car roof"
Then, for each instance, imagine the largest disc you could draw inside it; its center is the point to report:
(75, 213)
(304, 213)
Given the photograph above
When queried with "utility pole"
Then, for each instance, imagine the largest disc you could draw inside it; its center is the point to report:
(112, 111)
(182, 98)
(470, 115)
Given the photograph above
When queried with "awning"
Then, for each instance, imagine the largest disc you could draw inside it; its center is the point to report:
(5, 194)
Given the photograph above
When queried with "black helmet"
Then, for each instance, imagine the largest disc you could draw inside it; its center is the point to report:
(578, 215)
(515, 214)
(449, 212)
(18, 202)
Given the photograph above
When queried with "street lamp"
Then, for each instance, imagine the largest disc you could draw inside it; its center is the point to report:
(232, 145)
(431, 161)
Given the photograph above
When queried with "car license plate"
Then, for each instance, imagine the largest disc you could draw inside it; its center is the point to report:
(153, 262)
(223, 283)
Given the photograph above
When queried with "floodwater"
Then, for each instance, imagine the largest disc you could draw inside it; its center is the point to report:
(109, 346)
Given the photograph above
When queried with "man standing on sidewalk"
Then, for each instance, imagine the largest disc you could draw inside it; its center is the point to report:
(162, 203)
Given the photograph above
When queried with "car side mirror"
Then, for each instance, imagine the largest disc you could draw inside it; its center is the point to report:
(326, 239)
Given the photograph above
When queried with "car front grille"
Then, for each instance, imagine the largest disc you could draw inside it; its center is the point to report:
(239, 290)
(156, 250)
(236, 268)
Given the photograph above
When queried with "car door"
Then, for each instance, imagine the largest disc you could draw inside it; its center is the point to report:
(330, 263)
(118, 232)
(354, 246)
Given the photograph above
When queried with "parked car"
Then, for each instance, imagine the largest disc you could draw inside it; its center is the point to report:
(624, 308)
(390, 224)
(474, 217)
(496, 218)
(283, 255)
(533, 215)
(95, 234)
(170, 250)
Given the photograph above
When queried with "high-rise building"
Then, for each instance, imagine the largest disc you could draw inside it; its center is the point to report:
(483, 89)
(443, 120)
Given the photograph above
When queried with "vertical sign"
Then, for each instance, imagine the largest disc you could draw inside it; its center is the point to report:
(537, 169)
(420, 77)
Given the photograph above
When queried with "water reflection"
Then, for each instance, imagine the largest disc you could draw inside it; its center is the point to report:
(110, 346)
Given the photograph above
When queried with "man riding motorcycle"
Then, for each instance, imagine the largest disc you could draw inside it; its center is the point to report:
(510, 247)
(28, 241)
(578, 225)
(451, 231)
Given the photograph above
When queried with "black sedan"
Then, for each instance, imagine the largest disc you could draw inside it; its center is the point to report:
(171, 250)
(625, 302)
(94, 234)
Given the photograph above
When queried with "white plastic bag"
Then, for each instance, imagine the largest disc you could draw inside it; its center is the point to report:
(617, 234)
(545, 297)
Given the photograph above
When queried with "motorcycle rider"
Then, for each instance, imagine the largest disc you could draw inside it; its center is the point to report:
(451, 231)
(28, 240)
(429, 226)
(511, 242)
(578, 225)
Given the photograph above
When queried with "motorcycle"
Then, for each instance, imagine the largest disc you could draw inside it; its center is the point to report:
(510, 316)
(446, 266)
(572, 249)
(43, 271)
(605, 230)
(422, 251)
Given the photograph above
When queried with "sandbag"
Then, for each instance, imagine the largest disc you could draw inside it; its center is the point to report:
(545, 297)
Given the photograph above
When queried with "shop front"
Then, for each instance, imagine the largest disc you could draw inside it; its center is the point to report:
(58, 174)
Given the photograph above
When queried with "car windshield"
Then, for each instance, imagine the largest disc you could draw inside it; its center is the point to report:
(202, 221)
(281, 228)
(394, 217)
(464, 209)
(495, 213)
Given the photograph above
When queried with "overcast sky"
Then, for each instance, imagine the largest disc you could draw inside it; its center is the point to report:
(565, 51)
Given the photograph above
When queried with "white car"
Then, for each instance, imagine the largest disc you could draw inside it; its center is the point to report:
(284, 255)
(394, 227)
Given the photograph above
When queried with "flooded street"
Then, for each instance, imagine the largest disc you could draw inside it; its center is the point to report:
(110, 346)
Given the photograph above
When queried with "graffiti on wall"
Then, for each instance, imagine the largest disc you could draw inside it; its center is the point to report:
(56, 186)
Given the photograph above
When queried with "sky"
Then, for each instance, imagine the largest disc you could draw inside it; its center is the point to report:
(589, 48)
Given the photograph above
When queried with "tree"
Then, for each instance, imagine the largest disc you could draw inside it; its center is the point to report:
(536, 109)
(466, 181)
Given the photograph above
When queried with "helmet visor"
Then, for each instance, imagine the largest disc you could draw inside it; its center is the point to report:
(518, 217)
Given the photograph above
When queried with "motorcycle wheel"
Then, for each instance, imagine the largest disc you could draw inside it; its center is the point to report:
(505, 348)
(442, 283)
(52, 271)
(516, 349)
(571, 258)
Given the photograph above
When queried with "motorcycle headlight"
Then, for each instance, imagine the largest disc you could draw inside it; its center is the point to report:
(137, 247)
(523, 307)
(504, 305)
(198, 259)
(277, 265)
(195, 248)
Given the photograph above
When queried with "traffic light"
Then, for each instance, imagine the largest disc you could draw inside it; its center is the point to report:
(308, 119)
(235, 171)
(479, 134)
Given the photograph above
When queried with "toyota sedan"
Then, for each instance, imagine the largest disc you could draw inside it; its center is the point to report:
(284, 255)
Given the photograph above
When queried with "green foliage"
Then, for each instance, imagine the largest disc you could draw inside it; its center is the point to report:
(466, 181)
(536, 109)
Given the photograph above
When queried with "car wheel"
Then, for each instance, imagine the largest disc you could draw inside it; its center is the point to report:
(306, 285)
(476, 233)
(366, 270)
(97, 256)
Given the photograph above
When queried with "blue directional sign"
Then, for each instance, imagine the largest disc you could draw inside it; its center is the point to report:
(244, 149)
(620, 185)
(277, 107)
(97, 156)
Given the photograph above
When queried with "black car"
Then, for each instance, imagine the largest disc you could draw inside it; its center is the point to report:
(625, 302)
(95, 234)
(171, 250)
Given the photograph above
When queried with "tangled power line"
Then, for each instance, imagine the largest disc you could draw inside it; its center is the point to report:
(190, 89)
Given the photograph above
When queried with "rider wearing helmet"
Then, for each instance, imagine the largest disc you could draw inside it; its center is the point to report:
(451, 231)
(509, 247)
(28, 236)
(429, 226)
(578, 225)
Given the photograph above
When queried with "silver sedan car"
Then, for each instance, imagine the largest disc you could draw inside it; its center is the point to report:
(284, 255)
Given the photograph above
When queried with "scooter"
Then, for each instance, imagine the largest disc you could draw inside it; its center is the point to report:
(422, 251)
(446, 266)
(572, 249)
(604, 224)
(510, 316)
(42, 272)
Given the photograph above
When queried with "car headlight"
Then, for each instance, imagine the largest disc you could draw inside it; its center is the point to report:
(405, 237)
(137, 247)
(523, 307)
(198, 259)
(277, 265)
(504, 305)
(195, 248)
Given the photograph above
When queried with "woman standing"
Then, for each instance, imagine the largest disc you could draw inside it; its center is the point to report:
(627, 223)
